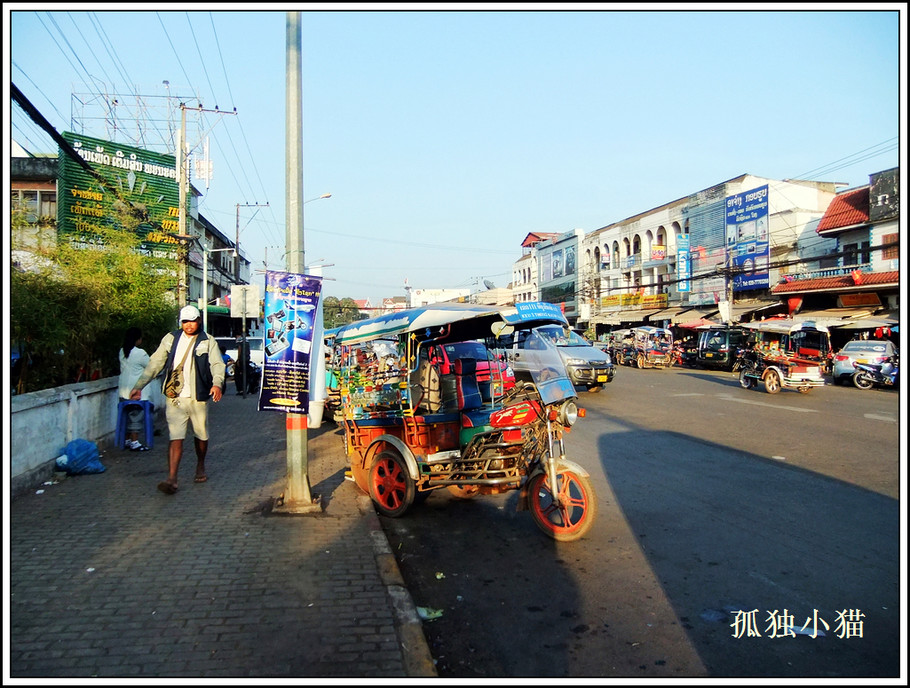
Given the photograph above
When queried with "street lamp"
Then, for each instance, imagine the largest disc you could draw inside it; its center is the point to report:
(299, 264)
(205, 281)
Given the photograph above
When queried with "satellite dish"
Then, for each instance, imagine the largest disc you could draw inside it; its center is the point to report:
(488, 284)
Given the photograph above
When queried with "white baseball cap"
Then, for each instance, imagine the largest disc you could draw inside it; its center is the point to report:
(189, 313)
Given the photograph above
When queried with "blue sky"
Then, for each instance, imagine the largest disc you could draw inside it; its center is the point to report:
(445, 137)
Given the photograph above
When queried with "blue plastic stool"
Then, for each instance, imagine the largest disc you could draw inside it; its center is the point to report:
(148, 407)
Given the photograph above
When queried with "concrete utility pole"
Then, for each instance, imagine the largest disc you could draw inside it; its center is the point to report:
(182, 181)
(297, 497)
(237, 236)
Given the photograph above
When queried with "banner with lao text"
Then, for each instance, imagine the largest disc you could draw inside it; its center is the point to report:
(290, 312)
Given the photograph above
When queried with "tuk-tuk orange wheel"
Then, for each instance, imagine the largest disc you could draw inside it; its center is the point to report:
(772, 382)
(391, 488)
(573, 517)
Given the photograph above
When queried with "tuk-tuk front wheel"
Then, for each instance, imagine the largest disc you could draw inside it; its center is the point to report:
(391, 488)
(772, 382)
(745, 379)
(640, 361)
(572, 517)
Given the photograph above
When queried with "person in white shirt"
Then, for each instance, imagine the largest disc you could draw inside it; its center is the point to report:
(199, 357)
(133, 359)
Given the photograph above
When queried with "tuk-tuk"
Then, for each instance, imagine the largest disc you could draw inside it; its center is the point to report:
(717, 346)
(786, 354)
(411, 429)
(619, 344)
(653, 347)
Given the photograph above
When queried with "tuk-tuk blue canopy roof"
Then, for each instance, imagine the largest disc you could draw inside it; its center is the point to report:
(440, 314)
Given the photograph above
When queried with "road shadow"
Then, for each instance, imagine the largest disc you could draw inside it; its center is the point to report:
(507, 604)
(726, 531)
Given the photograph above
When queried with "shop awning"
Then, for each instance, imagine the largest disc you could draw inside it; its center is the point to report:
(869, 322)
(834, 317)
(697, 323)
(744, 309)
(665, 314)
(608, 319)
(636, 316)
(691, 314)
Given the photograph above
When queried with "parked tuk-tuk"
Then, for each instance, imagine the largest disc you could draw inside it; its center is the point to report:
(619, 344)
(717, 346)
(411, 429)
(652, 347)
(786, 354)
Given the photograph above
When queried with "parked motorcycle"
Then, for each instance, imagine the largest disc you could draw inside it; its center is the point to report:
(868, 375)
(741, 359)
(684, 355)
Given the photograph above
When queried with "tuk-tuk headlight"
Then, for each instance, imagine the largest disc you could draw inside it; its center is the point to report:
(568, 414)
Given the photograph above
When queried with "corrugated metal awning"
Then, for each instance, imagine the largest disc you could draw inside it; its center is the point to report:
(833, 316)
(739, 310)
(666, 314)
(637, 316)
(883, 319)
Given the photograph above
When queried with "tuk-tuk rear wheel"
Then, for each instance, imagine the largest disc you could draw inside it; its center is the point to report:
(573, 517)
(640, 361)
(391, 488)
(772, 382)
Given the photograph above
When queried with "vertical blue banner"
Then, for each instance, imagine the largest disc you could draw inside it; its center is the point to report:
(748, 242)
(290, 312)
(682, 262)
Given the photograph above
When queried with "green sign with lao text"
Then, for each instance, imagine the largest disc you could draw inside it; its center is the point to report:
(129, 178)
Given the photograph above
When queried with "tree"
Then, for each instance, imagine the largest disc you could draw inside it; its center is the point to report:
(70, 306)
(337, 312)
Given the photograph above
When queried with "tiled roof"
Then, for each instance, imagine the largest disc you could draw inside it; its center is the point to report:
(846, 210)
(866, 279)
(536, 237)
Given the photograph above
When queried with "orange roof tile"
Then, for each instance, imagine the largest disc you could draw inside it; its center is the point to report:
(866, 279)
(846, 210)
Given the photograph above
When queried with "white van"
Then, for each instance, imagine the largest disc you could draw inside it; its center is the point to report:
(587, 365)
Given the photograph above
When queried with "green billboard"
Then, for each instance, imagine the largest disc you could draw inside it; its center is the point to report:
(128, 177)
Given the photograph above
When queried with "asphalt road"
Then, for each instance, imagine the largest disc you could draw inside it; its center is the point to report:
(712, 500)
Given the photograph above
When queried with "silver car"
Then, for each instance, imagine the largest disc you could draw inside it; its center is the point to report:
(872, 351)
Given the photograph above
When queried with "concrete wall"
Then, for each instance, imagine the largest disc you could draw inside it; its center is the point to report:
(42, 423)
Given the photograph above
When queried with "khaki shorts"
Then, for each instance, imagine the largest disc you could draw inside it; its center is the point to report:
(183, 410)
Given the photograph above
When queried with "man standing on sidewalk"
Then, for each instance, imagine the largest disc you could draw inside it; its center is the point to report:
(197, 360)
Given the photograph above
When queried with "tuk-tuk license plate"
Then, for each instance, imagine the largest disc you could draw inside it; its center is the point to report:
(708, 354)
(601, 378)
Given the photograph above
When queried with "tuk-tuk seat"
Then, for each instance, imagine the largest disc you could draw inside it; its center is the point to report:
(466, 388)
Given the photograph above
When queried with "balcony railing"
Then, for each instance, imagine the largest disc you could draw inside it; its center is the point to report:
(835, 271)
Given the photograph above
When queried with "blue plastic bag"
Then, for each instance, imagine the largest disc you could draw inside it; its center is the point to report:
(80, 457)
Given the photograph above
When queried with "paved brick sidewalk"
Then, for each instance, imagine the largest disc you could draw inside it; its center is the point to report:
(111, 578)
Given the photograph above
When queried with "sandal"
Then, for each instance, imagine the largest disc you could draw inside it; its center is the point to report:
(166, 487)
